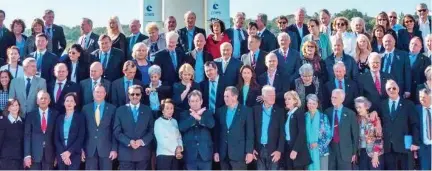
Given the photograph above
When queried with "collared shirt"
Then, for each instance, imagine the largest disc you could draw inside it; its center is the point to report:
(424, 27)
(39, 53)
(199, 66)
(300, 30)
(397, 27)
(225, 63)
(190, 34)
(390, 103)
(125, 83)
(86, 39)
(73, 73)
(25, 80)
(50, 32)
(46, 114)
(284, 53)
(336, 81)
(134, 109)
(97, 82)
(339, 114)
(66, 127)
(101, 107)
(271, 77)
(424, 123)
(287, 124)
(266, 116)
(388, 57)
(375, 75)
(238, 37)
(260, 33)
(256, 54)
(56, 87)
(230, 115)
(167, 136)
(102, 57)
(154, 98)
(245, 91)
(412, 58)
(13, 120)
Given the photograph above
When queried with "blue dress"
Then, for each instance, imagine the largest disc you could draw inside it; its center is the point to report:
(317, 131)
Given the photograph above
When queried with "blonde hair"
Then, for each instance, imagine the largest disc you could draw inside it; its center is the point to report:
(357, 50)
(186, 68)
(111, 33)
(151, 26)
(295, 96)
(306, 44)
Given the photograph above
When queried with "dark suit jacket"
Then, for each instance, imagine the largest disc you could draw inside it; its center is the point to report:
(82, 70)
(297, 132)
(114, 63)
(236, 141)
(268, 41)
(294, 29)
(87, 90)
(403, 39)
(291, 65)
(183, 39)
(232, 71)
(419, 109)
(92, 45)
(164, 91)
(100, 138)
(219, 92)
(374, 45)
(351, 92)
(348, 132)
(350, 66)
(141, 37)
(243, 43)
(120, 43)
(58, 40)
(49, 60)
(401, 70)
(252, 95)
(39, 145)
(367, 88)
(118, 92)
(197, 139)
(404, 122)
(69, 87)
(6, 41)
(275, 131)
(191, 56)
(76, 136)
(169, 73)
(281, 83)
(260, 66)
(126, 129)
(417, 72)
(178, 89)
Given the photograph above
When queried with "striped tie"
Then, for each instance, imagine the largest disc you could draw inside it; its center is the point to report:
(212, 100)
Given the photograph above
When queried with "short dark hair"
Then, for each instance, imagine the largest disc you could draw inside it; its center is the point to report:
(73, 95)
(81, 51)
(20, 22)
(282, 17)
(213, 21)
(3, 12)
(211, 64)
(315, 21)
(325, 11)
(256, 37)
(9, 103)
(42, 35)
(164, 102)
(253, 24)
(104, 36)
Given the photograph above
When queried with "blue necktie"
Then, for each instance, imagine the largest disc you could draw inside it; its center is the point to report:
(128, 83)
(38, 60)
(104, 60)
(388, 63)
(28, 86)
(174, 59)
(393, 108)
(132, 42)
(240, 38)
(135, 113)
(212, 100)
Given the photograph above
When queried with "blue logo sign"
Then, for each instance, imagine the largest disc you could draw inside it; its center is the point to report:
(149, 8)
(215, 6)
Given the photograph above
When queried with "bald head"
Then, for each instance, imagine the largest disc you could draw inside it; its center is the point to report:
(271, 61)
(392, 17)
(96, 70)
(199, 41)
(226, 50)
(61, 71)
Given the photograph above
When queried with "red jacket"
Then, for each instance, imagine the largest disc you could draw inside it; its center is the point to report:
(214, 47)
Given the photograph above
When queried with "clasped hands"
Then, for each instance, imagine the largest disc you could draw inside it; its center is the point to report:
(135, 144)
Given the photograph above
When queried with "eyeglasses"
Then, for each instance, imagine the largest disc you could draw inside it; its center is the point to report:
(282, 22)
(340, 24)
(409, 21)
(311, 46)
(72, 53)
(391, 88)
(135, 94)
(421, 10)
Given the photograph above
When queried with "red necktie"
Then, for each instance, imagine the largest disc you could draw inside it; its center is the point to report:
(59, 90)
(44, 122)
(285, 55)
(377, 84)
(336, 138)
(340, 85)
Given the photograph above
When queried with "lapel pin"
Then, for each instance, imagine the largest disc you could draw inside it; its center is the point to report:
(345, 115)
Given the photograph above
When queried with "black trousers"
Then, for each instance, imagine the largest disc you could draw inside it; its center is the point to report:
(228, 164)
(166, 163)
(11, 164)
(76, 162)
(42, 165)
(98, 163)
(130, 165)
(335, 159)
(264, 161)
(288, 162)
(199, 164)
(365, 162)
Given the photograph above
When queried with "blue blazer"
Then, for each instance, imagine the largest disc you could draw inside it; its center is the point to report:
(232, 71)
(268, 41)
(118, 92)
(400, 70)
(197, 139)
(99, 138)
(126, 129)
(243, 43)
(375, 48)
(35, 140)
(87, 90)
(294, 29)
(49, 60)
(404, 39)
(275, 130)
(219, 92)
(69, 87)
(178, 89)
(419, 109)
(76, 137)
(351, 92)
(58, 40)
(252, 95)
(281, 83)
(237, 140)
(367, 88)
(350, 65)
(169, 73)
(417, 71)
(183, 37)
(289, 67)
(114, 63)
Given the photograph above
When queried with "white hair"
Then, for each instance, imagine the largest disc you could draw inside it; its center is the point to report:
(172, 35)
(266, 89)
(339, 64)
(282, 35)
(339, 92)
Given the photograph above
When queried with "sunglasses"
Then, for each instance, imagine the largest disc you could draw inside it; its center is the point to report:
(421, 10)
(392, 17)
(282, 22)
(409, 21)
(72, 53)
(135, 94)
(391, 88)
(340, 24)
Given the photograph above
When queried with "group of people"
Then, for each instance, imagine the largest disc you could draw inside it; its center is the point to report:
(315, 96)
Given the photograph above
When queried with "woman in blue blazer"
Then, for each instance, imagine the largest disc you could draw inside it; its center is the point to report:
(248, 87)
(69, 135)
(405, 35)
(184, 87)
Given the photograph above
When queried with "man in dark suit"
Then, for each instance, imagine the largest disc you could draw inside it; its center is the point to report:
(233, 133)
(289, 58)
(229, 67)
(45, 61)
(238, 35)
(196, 125)
(133, 129)
(282, 23)
(299, 27)
(88, 39)
(55, 33)
(269, 131)
(170, 59)
(418, 64)
(7, 38)
(275, 78)
(425, 118)
(213, 87)
(341, 82)
(399, 123)
(120, 86)
(188, 32)
(397, 64)
(110, 58)
(135, 37)
(39, 149)
(100, 145)
(345, 130)
(268, 40)
(87, 85)
(198, 57)
(59, 87)
(255, 57)
(372, 83)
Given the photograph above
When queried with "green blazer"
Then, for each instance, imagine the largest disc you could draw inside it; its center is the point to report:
(325, 44)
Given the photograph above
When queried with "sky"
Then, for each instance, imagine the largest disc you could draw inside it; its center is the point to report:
(70, 12)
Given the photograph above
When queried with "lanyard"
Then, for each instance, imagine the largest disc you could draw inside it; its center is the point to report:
(16, 71)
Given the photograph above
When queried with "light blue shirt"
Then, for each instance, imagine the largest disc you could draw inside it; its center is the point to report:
(390, 103)
(300, 30)
(125, 82)
(73, 72)
(21, 46)
(425, 138)
(397, 27)
(230, 115)
(266, 116)
(336, 81)
(154, 98)
(287, 124)
(339, 113)
(190, 34)
(412, 58)
(245, 90)
(237, 43)
(199, 67)
(56, 87)
(102, 57)
(66, 127)
(101, 107)
(256, 55)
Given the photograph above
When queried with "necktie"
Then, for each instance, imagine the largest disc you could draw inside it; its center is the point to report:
(1, 32)
(174, 59)
(212, 100)
(340, 84)
(44, 123)
(97, 115)
(240, 38)
(224, 65)
(388, 63)
(428, 124)
(132, 42)
(49, 33)
(135, 113)
(94, 85)
(253, 59)
(28, 86)
(377, 83)
(38, 61)
(393, 108)
(128, 83)
(285, 55)
(83, 42)
(336, 137)
(59, 90)
(104, 60)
